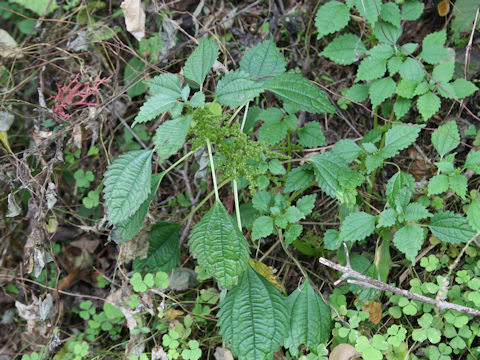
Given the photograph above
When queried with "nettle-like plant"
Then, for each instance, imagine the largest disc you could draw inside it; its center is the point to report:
(255, 318)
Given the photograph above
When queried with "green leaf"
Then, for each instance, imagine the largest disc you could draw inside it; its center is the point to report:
(127, 229)
(39, 7)
(357, 226)
(309, 319)
(396, 183)
(446, 90)
(386, 32)
(435, 38)
(163, 248)
(421, 88)
(331, 17)
(358, 92)
(153, 107)
(387, 218)
(433, 54)
(306, 204)
(293, 214)
(197, 100)
(393, 65)
(465, 11)
(345, 49)
(262, 227)
(401, 107)
(371, 68)
(273, 130)
(170, 136)
(409, 240)
(346, 149)
(311, 135)
(201, 61)
(262, 60)
(458, 184)
(261, 201)
(438, 184)
(253, 318)
(276, 167)
(380, 90)
(473, 161)
(167, 84)
(300, 93)
(428, 105)
(127, 184)
(219, 246)
(412, 70)
(391, 13)
(298, 178)
(328, 169)
(451, 227)
(416, 212)
(412, 10)
(406, 88)
(236, 88)
(447, 138)
(369, 9)
(292, 233)
(443, 73)
(473, 214)
(397, 138)
(463, 88)
(131, 70)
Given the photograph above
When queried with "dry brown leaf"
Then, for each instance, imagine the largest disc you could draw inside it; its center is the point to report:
(87, 244)
(172, 314)
(375, 311)
(267, 272)
(8, 45)
(343, 352)
(134, 18)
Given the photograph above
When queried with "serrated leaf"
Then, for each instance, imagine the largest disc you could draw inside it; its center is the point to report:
(347, 149)
(397, 138)
(421, 88)
(293, 214)
(328, 168)
(358, 92)
(167, 84)
(197, 100)
(345, 49)
(412, 9)
(473, 161)
(253, 318)
(39, 7)
(262, 227)
(433, 54)
(170, 136)
(437, 184)
(463, 88)
(236, 88)
(428, 105)
(416, 212)
(369, 9)
(473, 214)
(386, 32)
(127, 229)
(447, 138)
(127, 184)
(380, 90)
(458, 184)
(163, 248)
(331, 17)
(387, 218)
(310, 320)
(391, 13)
(411, 70)
(409, 240)
(262, 60)
(154, 106)
(435, 38)
(371, 68)
(401, 107)
(306, 204)
(451, 227)
(373, 161)
(332, 239)
(393, 65)
(292, 233)
(261, 201)
(201, 61)
(357, 226)
(406, 88)
(219, 246)
(443, 72)
(300, 93)
(311, 135)
(396, 183)
(273, 129)
(298, 178)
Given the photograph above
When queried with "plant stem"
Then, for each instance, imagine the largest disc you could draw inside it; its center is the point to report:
(212, 167)
(237, 204)
(295, 261)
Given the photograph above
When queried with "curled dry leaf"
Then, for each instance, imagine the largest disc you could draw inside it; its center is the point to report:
(8, 45)
(374, 310)
(134, 18)
(343, 352)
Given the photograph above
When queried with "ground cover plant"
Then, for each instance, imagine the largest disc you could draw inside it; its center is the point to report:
(260, 181)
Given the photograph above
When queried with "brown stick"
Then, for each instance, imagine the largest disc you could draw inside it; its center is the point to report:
(367, 281)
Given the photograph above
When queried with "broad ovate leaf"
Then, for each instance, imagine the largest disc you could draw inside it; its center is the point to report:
(446, 138)
(331, 17)
(201, 61)
(219, 246)
(451, 227)
(300, 93)
(357, 226)
(127, 184)
(345, 49)
(263, 60)
(310, 320)
(236, 88)
(170, 136)
(253, 317)
(409, 240)
(163, 247)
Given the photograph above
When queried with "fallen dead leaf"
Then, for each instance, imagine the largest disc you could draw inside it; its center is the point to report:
(222, 353)
(374, 310)
(134, 18)
(343, 352)
(172, 314)
(87, 244)
(8, 45)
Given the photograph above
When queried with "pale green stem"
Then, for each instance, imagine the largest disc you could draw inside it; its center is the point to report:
(212, 167)
(237, 204)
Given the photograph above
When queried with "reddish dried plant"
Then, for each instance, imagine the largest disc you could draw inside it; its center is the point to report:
(76, 93)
